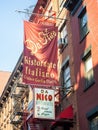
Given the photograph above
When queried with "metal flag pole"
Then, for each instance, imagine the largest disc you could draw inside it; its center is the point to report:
(39, 15)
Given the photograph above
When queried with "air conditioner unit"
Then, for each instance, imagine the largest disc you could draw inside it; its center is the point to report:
(61, 42)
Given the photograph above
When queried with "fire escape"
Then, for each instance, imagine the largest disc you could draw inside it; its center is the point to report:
(19, 96)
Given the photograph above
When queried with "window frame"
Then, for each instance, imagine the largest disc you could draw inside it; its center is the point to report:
(76, 7)
(93, 113)
(88, 81)
(92, 121)
(72, 7)
(83, 28)
(63, 34)
(89, 75)
(61, 4)
(63, 38)
(66, 89)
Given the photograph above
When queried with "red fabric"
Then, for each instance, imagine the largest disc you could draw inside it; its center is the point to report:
(40, 55)
(67, 113)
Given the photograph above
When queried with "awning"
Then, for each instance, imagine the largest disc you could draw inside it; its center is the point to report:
(67, 113)
(64, 118)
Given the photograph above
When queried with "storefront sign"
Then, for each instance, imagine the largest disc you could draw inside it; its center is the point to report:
(40, 55)
(44, 103)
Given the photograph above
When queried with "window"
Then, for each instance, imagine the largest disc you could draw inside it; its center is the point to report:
(30, 105)
(89, 71)
(89, 74)
(72, 5)
(92, 117)
(83, 22)
(28, 126)
(66, 82)
(63, 36)
(94, 123)
(61, 4)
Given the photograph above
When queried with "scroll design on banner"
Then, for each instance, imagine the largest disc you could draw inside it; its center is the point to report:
(43, 38)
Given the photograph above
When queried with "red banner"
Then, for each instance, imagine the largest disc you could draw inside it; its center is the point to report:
(40, 54)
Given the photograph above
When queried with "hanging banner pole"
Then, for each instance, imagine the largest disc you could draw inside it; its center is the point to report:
(40, 15)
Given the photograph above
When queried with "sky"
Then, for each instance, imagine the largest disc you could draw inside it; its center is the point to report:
(12, 31)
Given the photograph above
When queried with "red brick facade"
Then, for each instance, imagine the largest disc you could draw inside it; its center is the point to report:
(86, 99)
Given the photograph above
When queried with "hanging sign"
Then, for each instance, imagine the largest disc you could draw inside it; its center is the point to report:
(44, 103)
(40, 55)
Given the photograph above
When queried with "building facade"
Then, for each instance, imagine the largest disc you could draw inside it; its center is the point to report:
(84, 27)
(13, 100)
(77, 108)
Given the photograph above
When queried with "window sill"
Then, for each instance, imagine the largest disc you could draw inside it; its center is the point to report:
(84, 36)
(67, 93)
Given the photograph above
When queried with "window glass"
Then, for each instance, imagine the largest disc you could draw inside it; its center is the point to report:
(68, 84)
(89, 75)
(28, 127)
(30, 106)
(66, 74)
(94, 123)
(66, 78)
(73, 5)
(83, 21)
(88, 64)
(64, 34)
